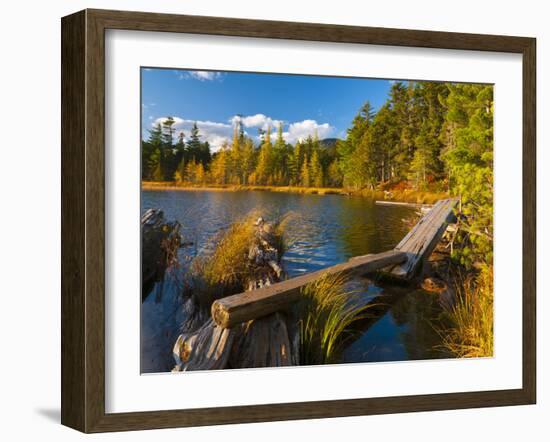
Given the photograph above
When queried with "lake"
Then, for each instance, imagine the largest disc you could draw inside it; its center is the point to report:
(323, 230)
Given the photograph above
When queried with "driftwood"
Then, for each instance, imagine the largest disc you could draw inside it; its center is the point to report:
(206, 349)
(402, 204)
(160, 243)
(257, 303)
(259, 343)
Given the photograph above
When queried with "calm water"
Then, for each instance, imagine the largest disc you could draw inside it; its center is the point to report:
(323, 230)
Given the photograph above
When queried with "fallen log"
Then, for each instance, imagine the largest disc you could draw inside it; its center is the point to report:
(404, 204)
(254, 304)
(421, 240)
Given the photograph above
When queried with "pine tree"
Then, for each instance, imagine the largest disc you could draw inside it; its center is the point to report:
(279, 158)
(304, 175)
(219, 165)
(179, 174)
(315, 170)
(334, 175)
(346, 149)
(194, 144)
(151, 153)
(264, 169)
(247, 160)
(236, 157)
(168, 155)
(468, 157)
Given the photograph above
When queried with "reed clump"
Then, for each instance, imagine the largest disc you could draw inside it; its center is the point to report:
(230, 267)
(326, 312)
(470, 334)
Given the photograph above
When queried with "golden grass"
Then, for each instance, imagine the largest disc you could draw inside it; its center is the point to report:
(228, 270)
(326, 312)
(470, 334)
(406, 195)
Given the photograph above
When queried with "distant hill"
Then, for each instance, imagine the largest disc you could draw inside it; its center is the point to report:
(328, 142)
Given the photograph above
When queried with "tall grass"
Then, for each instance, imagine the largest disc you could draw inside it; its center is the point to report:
(470, 334)
(326, 313)
(228, 269)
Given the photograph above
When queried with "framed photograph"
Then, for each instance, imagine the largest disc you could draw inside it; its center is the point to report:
(269, 220)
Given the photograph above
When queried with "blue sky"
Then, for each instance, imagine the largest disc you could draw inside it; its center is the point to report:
(304, 104)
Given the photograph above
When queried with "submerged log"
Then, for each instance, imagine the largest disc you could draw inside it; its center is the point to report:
(160, 242)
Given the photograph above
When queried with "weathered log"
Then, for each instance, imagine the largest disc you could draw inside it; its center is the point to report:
(404, 204)
(261, 302)
(206, 349)
(264, 342)
(421, 240)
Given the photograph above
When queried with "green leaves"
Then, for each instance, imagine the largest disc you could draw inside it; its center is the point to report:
(469, 159)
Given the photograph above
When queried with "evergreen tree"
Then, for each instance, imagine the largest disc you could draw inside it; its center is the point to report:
(155, 158)
(219, 166)
(346, 149)
(168, 153)
(264, 169)
(179, 174)
(247, 160)
(236, 157)
(334, 175)
(304, 175)
(279, 158)
(468, 157)
(315, 170)
(194, 144)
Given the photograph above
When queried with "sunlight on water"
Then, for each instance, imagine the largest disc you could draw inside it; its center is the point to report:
(323, 230)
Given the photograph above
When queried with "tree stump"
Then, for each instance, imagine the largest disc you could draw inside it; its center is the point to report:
(159, 248)
(263, 342)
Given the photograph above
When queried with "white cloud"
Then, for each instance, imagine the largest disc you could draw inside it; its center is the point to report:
(302, 129)
(217, 133)
(259, 121)
(211, 131)
(202, 75)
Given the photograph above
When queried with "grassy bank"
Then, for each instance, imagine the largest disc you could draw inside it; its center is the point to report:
(406, 195)
(470, 321)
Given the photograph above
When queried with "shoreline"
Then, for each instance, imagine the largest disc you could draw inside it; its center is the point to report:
(405, 196)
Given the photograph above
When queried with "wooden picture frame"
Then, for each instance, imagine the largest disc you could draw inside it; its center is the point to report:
(83, 219)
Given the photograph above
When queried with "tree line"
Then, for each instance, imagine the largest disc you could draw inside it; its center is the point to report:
(428, 135)
(415, 136)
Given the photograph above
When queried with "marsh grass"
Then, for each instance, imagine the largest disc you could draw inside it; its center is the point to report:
(326, 314)
(399, 195)
(228, 269)
(470, 334)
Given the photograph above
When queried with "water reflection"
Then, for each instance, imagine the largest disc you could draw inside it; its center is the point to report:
(323, 230)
